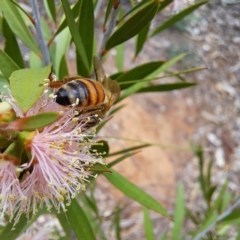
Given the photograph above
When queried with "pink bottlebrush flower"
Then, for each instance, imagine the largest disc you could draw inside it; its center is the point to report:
(56, 167)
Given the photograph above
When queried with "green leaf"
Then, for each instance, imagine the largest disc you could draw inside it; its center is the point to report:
(7, 65)
(177, 17)
(11, 46)
(179, 213)
(115, 75)
(18, 25)
(46, 30)
(238, 231)
(164, 4)
(120, 159)
(135, 8)
(92, 214)
(65, 224)
(63, 68)
(141, 39)
(120, 57)
(79, 222)
(75, 34)
(34, 122)
(3, 83)
(62, 45)
(137, 86)
(50, 7)
(226, 201)
(63, 25)
(166, 65)
(116, 222)
(166, 87)
(35, 62)
(148, 225)
(205, 225)
(9, 234)
(25, 85)
(139, 72)
(86, 31)
(218, 200)
(134, 192)
(130, 149)
(100, 147)
(99, 167)
(109, 8)
(232, 218)
(133, 25)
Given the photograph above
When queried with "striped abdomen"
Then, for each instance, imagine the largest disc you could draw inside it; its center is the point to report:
(83, 92)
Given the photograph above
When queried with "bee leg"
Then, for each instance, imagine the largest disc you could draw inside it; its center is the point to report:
(92, 110)
(92, 121)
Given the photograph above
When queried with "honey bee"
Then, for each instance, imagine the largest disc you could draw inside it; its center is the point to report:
(91, 96)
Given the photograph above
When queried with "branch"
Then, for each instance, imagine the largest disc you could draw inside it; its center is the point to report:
(40, 38)
(221, 217)
(110, 27)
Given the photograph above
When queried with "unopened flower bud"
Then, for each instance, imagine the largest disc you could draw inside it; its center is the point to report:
(7, 114)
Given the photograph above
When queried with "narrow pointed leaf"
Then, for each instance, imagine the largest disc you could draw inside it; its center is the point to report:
(115, 75)
(141, 39)
(109, 8)
(120, 159)
(25, 85)
(34, 122)
(133, 25)
(116, 222)
(166, 87)
(35, 62)
(11, 46)
(201, 229)
(163, 4)
(62, 218)
(86, 31)
(63, 25)
(79, 222)
(148, 226)
(135, 8)
(120, 57)
(140, 71)
(75, 34)
(179, 213)
(177, 17)
(50, 5)
(232, 218)
(101, 147)
(17, 24)
(137, 86)
(9, 234)
(63, 68)
(7, 65)
(98, 167)
(62, 45)
(130, 149)
(46, 30)
(134, 192)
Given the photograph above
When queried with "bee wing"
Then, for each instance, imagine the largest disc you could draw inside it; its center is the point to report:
(99, 71)
(115, 91)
